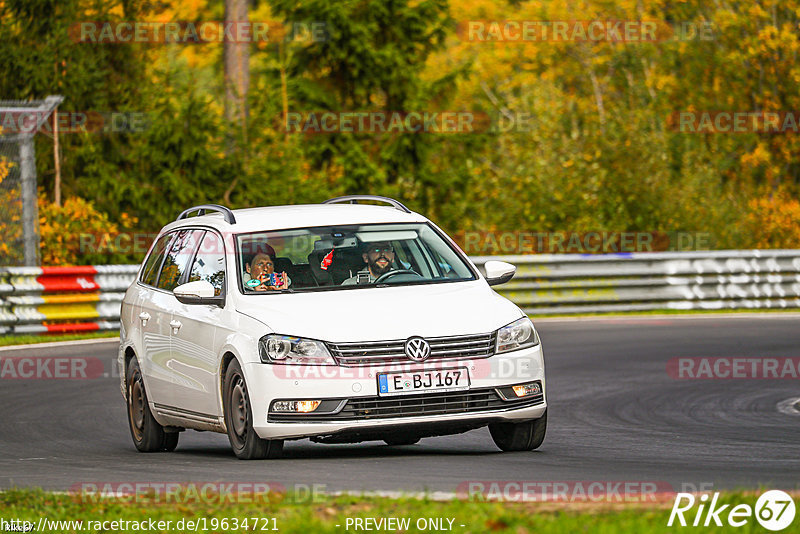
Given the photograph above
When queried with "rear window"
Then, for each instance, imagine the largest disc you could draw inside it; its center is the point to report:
(152, 264)
(209, 264)
(177, 259)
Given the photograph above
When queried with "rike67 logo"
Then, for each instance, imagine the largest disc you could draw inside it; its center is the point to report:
(774, 511)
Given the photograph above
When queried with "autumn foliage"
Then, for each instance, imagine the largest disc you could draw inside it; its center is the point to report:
(774, 221)
(75, 233)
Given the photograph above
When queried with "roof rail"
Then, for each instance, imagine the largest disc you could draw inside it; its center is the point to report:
(353, 199)
(228, 214)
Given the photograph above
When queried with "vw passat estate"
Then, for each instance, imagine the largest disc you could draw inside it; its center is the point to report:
(339, 322)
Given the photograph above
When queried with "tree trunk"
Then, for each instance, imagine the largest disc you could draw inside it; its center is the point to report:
(236, 56)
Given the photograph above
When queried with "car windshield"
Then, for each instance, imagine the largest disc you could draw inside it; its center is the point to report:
(346, 257)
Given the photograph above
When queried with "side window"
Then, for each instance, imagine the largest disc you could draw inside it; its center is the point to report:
(153, 262)
(419, 260)
(443, 265)
(209, 265)
(180, 252)
(402, 257)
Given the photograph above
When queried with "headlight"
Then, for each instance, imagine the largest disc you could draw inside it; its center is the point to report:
(286, 349)
(518, 335)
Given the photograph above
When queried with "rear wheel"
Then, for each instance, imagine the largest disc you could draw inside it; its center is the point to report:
(525, 436)
(147, 434)
(239, 419)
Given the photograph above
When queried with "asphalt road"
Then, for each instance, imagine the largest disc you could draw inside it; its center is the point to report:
(615, 414)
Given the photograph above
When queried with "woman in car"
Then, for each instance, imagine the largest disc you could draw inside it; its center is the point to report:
(260, 272)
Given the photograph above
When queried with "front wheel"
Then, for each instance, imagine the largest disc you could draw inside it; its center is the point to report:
(147, 434)
(525, 436)
(239, 419)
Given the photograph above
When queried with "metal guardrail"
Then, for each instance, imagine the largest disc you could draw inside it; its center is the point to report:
(37, 300)
(64, 299)
(703, 280)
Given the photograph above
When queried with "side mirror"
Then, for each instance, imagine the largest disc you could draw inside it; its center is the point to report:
(498, 272)
(198, 292)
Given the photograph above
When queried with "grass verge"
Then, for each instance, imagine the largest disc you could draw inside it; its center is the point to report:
(323, 514)
(30, 339)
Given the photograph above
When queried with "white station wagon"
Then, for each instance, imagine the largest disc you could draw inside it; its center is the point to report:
(339, 322)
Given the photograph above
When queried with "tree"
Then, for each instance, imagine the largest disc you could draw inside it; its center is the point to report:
(237, 81)
(373, 59)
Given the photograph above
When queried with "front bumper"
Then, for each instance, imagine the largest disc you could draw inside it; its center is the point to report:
(362, 412)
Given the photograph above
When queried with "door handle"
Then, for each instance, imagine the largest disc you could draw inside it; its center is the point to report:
(176, 325)
(144, 316)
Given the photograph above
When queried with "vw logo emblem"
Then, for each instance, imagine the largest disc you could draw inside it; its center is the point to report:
(417, 349)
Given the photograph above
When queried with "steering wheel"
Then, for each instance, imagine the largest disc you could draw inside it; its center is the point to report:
(386, 276)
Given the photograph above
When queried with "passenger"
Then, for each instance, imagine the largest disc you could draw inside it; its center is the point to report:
(379, 258)
(260, 274)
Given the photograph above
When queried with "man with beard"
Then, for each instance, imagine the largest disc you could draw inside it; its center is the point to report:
(379, 258)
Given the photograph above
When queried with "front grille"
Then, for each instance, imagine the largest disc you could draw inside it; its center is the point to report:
(458, 402)
(384, 352)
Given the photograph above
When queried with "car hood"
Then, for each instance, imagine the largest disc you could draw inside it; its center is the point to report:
(383, 313)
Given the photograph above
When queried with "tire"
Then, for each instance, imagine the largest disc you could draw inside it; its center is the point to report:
(525, 436)
(401, 441)
(170, 441)
(246, 444)
(147, 434)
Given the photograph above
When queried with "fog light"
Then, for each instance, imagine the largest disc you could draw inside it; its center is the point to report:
(303, 406)
(525, 390)
(307, 406)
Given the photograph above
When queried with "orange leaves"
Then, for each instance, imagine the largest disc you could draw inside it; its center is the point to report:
(773, 221)
(5, 165)
(61, 229)
(5, 168)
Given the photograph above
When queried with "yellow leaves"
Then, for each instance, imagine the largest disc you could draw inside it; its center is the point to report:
(180, 10)
(62, 227)
(128, 221)
(117, 10)
(759, 156)
(772, 221)
(5, 165)
(756, 11)
(5, 168)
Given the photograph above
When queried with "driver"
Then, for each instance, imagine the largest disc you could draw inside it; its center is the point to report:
(379, 258)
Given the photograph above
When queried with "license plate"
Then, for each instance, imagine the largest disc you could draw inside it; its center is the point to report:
(423, 381)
